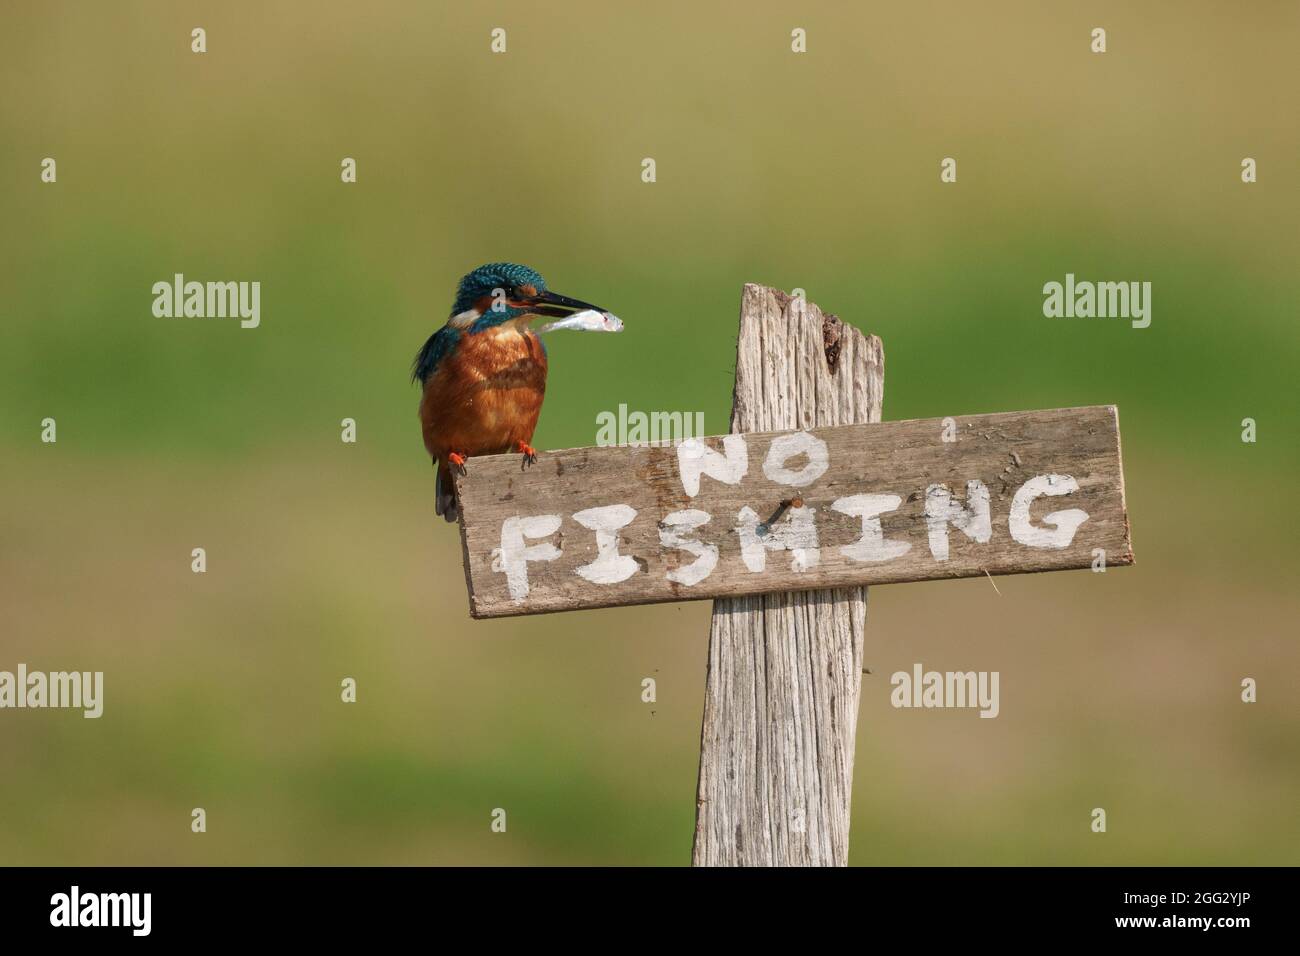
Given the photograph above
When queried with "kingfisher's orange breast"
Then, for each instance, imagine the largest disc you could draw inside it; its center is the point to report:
(486, 394)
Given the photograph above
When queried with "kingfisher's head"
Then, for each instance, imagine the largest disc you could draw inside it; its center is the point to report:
(501, 291)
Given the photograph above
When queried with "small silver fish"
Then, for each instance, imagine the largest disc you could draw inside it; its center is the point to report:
(588, 320)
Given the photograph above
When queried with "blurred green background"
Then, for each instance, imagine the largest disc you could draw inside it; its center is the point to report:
(819, 171)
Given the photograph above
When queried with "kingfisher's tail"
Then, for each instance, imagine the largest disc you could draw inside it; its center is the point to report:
(445, 504)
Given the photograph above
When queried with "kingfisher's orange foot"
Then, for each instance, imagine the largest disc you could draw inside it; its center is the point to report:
(457, 462)
(529, 453)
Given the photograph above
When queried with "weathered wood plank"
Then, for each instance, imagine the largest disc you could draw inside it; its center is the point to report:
(532, 538)
(785, 670)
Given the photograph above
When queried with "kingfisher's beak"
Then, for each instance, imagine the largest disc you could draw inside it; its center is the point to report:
(555, 305)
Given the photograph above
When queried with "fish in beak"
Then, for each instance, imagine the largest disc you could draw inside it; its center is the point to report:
(571, 313)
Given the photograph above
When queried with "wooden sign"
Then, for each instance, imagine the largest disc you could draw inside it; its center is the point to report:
(797, 510)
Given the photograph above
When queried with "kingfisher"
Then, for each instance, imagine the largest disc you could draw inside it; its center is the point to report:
(483, 374)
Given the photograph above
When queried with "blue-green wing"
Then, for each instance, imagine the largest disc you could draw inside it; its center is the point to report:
(439, 344)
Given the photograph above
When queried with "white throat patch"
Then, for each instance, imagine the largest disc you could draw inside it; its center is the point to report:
(463, 320)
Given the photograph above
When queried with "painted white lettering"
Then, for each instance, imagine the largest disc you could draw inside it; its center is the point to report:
(786, 447)
(973, 519)
(1063, 523)
(872, 546)
(511, 559)
(610, 567)
(695, 458)
(797, 534)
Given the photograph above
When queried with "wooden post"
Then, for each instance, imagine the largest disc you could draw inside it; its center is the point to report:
(784, 672)
(843, 501)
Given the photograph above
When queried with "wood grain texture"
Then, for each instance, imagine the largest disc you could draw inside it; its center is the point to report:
(785, 645)
(785, 670)
(553, 563)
